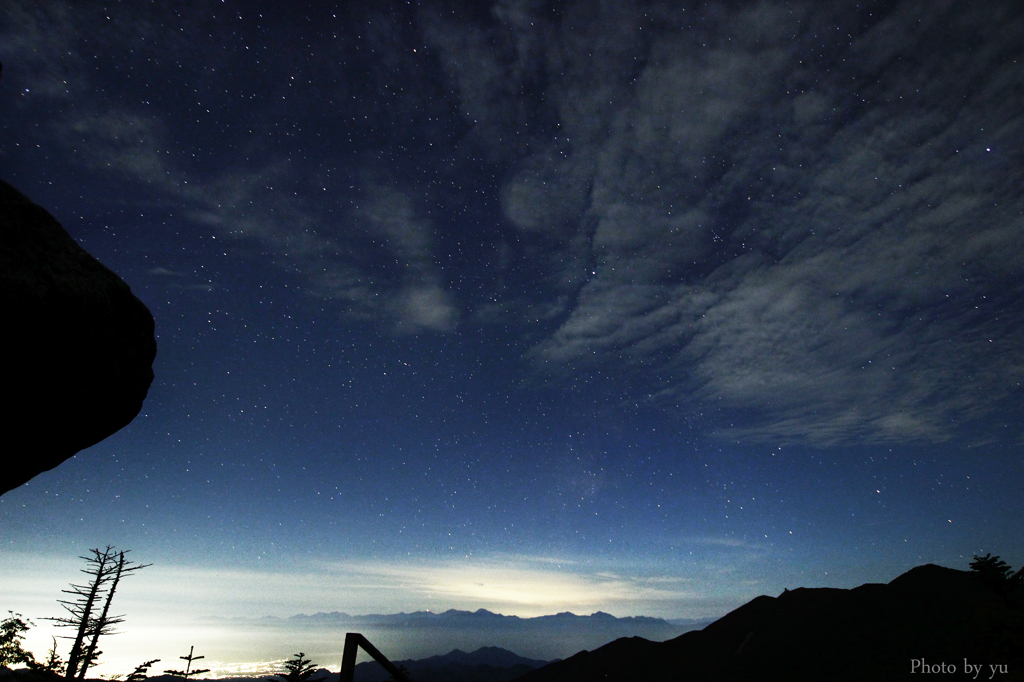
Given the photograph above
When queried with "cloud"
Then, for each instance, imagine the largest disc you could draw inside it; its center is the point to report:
(800, 223)
(422, 302)
(426, 307)
(164, 272)
(720, 542)
(807, 247)
(36, 51)
(251, 207)
(326, 232)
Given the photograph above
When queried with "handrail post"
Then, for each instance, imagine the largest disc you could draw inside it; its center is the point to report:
(348, 658)
(354, 640)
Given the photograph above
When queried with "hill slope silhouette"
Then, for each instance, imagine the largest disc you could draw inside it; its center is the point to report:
(488, 664)
(872, 632)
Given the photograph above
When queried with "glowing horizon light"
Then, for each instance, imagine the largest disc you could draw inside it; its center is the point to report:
(235, 617)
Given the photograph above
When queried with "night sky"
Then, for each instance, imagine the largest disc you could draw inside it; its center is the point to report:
(532, 306)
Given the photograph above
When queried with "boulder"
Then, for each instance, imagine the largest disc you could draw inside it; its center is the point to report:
(77, 347)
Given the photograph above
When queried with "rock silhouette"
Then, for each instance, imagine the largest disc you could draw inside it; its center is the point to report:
(930, 614)
(77, 346)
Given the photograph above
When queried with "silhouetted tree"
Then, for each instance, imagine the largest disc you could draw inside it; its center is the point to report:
(188, 672)
(997, 573)
(12, 632)
(106, 568)
(299, 668)
(141, 671)
(53, 662)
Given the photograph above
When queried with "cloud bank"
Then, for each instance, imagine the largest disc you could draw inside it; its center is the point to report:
(796, 223)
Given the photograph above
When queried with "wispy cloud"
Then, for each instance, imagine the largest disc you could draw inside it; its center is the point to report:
(800, 239)
(251, 207)
(825, 255)
(319, 232)
(422, 302)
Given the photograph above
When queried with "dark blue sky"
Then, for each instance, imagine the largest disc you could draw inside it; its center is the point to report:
(678, 303)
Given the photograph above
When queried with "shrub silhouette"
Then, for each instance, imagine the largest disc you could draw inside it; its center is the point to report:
(12, 632)
(997, 573)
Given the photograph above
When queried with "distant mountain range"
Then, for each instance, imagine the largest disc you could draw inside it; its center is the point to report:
(453, 618)
(424, 633)
(930, 616)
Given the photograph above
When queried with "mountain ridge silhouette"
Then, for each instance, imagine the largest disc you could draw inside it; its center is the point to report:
(486, 664)
(875, 631)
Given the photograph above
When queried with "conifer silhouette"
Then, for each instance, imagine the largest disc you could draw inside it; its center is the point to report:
(299, 668)
(106, 567)
(188, 672)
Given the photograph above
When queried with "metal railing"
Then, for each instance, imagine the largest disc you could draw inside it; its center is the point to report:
(354, 640)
